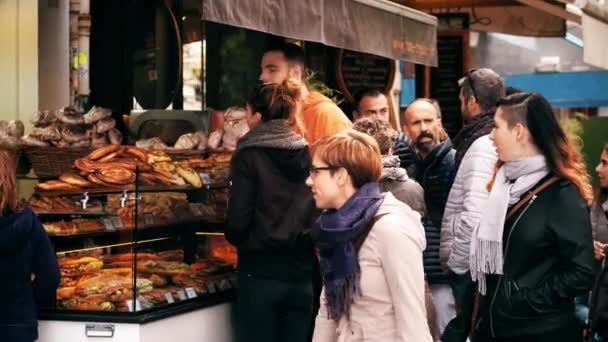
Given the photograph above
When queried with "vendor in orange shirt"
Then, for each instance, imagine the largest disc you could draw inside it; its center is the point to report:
(320, 116)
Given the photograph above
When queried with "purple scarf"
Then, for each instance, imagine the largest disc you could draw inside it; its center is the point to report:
(337, 232)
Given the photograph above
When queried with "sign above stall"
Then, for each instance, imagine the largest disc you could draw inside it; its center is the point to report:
(377, 27)
(357, 71)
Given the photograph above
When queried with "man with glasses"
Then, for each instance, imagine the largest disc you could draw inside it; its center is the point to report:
(320, 116)
(480, 90)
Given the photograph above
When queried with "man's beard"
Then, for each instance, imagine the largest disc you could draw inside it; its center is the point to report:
(425, 147)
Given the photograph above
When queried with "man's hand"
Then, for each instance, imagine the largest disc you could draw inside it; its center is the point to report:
(600, 250)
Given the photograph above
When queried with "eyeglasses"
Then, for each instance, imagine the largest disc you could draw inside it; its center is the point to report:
(469, 76)
(316, 169)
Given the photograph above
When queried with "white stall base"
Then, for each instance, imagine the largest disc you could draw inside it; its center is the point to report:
(211, 324)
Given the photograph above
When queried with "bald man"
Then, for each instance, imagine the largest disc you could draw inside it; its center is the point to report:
(435, 173)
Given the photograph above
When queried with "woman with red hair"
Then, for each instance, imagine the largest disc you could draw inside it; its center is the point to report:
(28, 266)
(532, 252)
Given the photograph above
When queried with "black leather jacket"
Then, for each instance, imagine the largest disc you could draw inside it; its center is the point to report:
(548, 260)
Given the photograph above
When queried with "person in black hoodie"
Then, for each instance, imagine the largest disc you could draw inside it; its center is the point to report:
(270, 212)
(532, 252)
(28, 266)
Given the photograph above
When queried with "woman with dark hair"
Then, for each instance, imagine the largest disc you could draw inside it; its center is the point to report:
(598, 308)
(269, 213)
(599, 209)
(532, 252)
(28, 266)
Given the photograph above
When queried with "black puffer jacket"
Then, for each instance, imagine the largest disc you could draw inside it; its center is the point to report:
(548, 260)
(435, 174)
(270, 212)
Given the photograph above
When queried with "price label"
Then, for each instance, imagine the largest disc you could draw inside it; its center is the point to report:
(211, 287)
(138, 306)
(169, 298)
(130, 305)
(143, 304)
(148, 219)
(116, 222)
(191, 293)
(181, 294)
(108, 224)
(205, 177)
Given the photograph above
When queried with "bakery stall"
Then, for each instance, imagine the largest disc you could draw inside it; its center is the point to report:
(137, 229)
(133, 190)
(138, 239)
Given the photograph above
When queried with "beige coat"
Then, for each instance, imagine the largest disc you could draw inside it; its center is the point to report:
(391, 306)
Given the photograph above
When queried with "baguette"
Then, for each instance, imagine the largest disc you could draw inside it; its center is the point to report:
(76, 180)
(103, 151)
(138, 153)
(55, 185)
(109, 156)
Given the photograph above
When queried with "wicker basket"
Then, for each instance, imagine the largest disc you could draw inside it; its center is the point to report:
(51, 162)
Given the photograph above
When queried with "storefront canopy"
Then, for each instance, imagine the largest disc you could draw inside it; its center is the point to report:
(379, 27)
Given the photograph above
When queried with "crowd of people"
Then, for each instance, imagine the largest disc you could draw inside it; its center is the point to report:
(487, 236)
(357, 232)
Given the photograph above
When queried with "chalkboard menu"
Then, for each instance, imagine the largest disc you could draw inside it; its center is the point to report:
(441, 83)
(357, 71)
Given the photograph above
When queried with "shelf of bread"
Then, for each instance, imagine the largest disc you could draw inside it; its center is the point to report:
(126, 282)
(117, 168)
(153, 210)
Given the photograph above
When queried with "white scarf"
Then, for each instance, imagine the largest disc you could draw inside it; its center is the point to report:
(513, 180)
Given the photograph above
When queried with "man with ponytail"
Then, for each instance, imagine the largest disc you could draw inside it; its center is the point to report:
(320, 116)
(532, 251)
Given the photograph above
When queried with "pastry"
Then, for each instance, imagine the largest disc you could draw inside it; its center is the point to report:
(105, 125)
(157, 157)
(115, 136)
(116, 175)
(187, 141)
(55, 185)
(31, 140)
(166, 168)
(137, 153)
(103, 151)
(109, 156)
(96, 114)
(189, 175)
(70, 116)
(71, 267)
(76, 180)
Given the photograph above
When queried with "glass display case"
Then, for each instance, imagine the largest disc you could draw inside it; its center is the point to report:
(139, 252)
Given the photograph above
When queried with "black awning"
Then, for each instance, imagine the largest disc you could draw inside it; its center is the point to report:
(379, 27)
